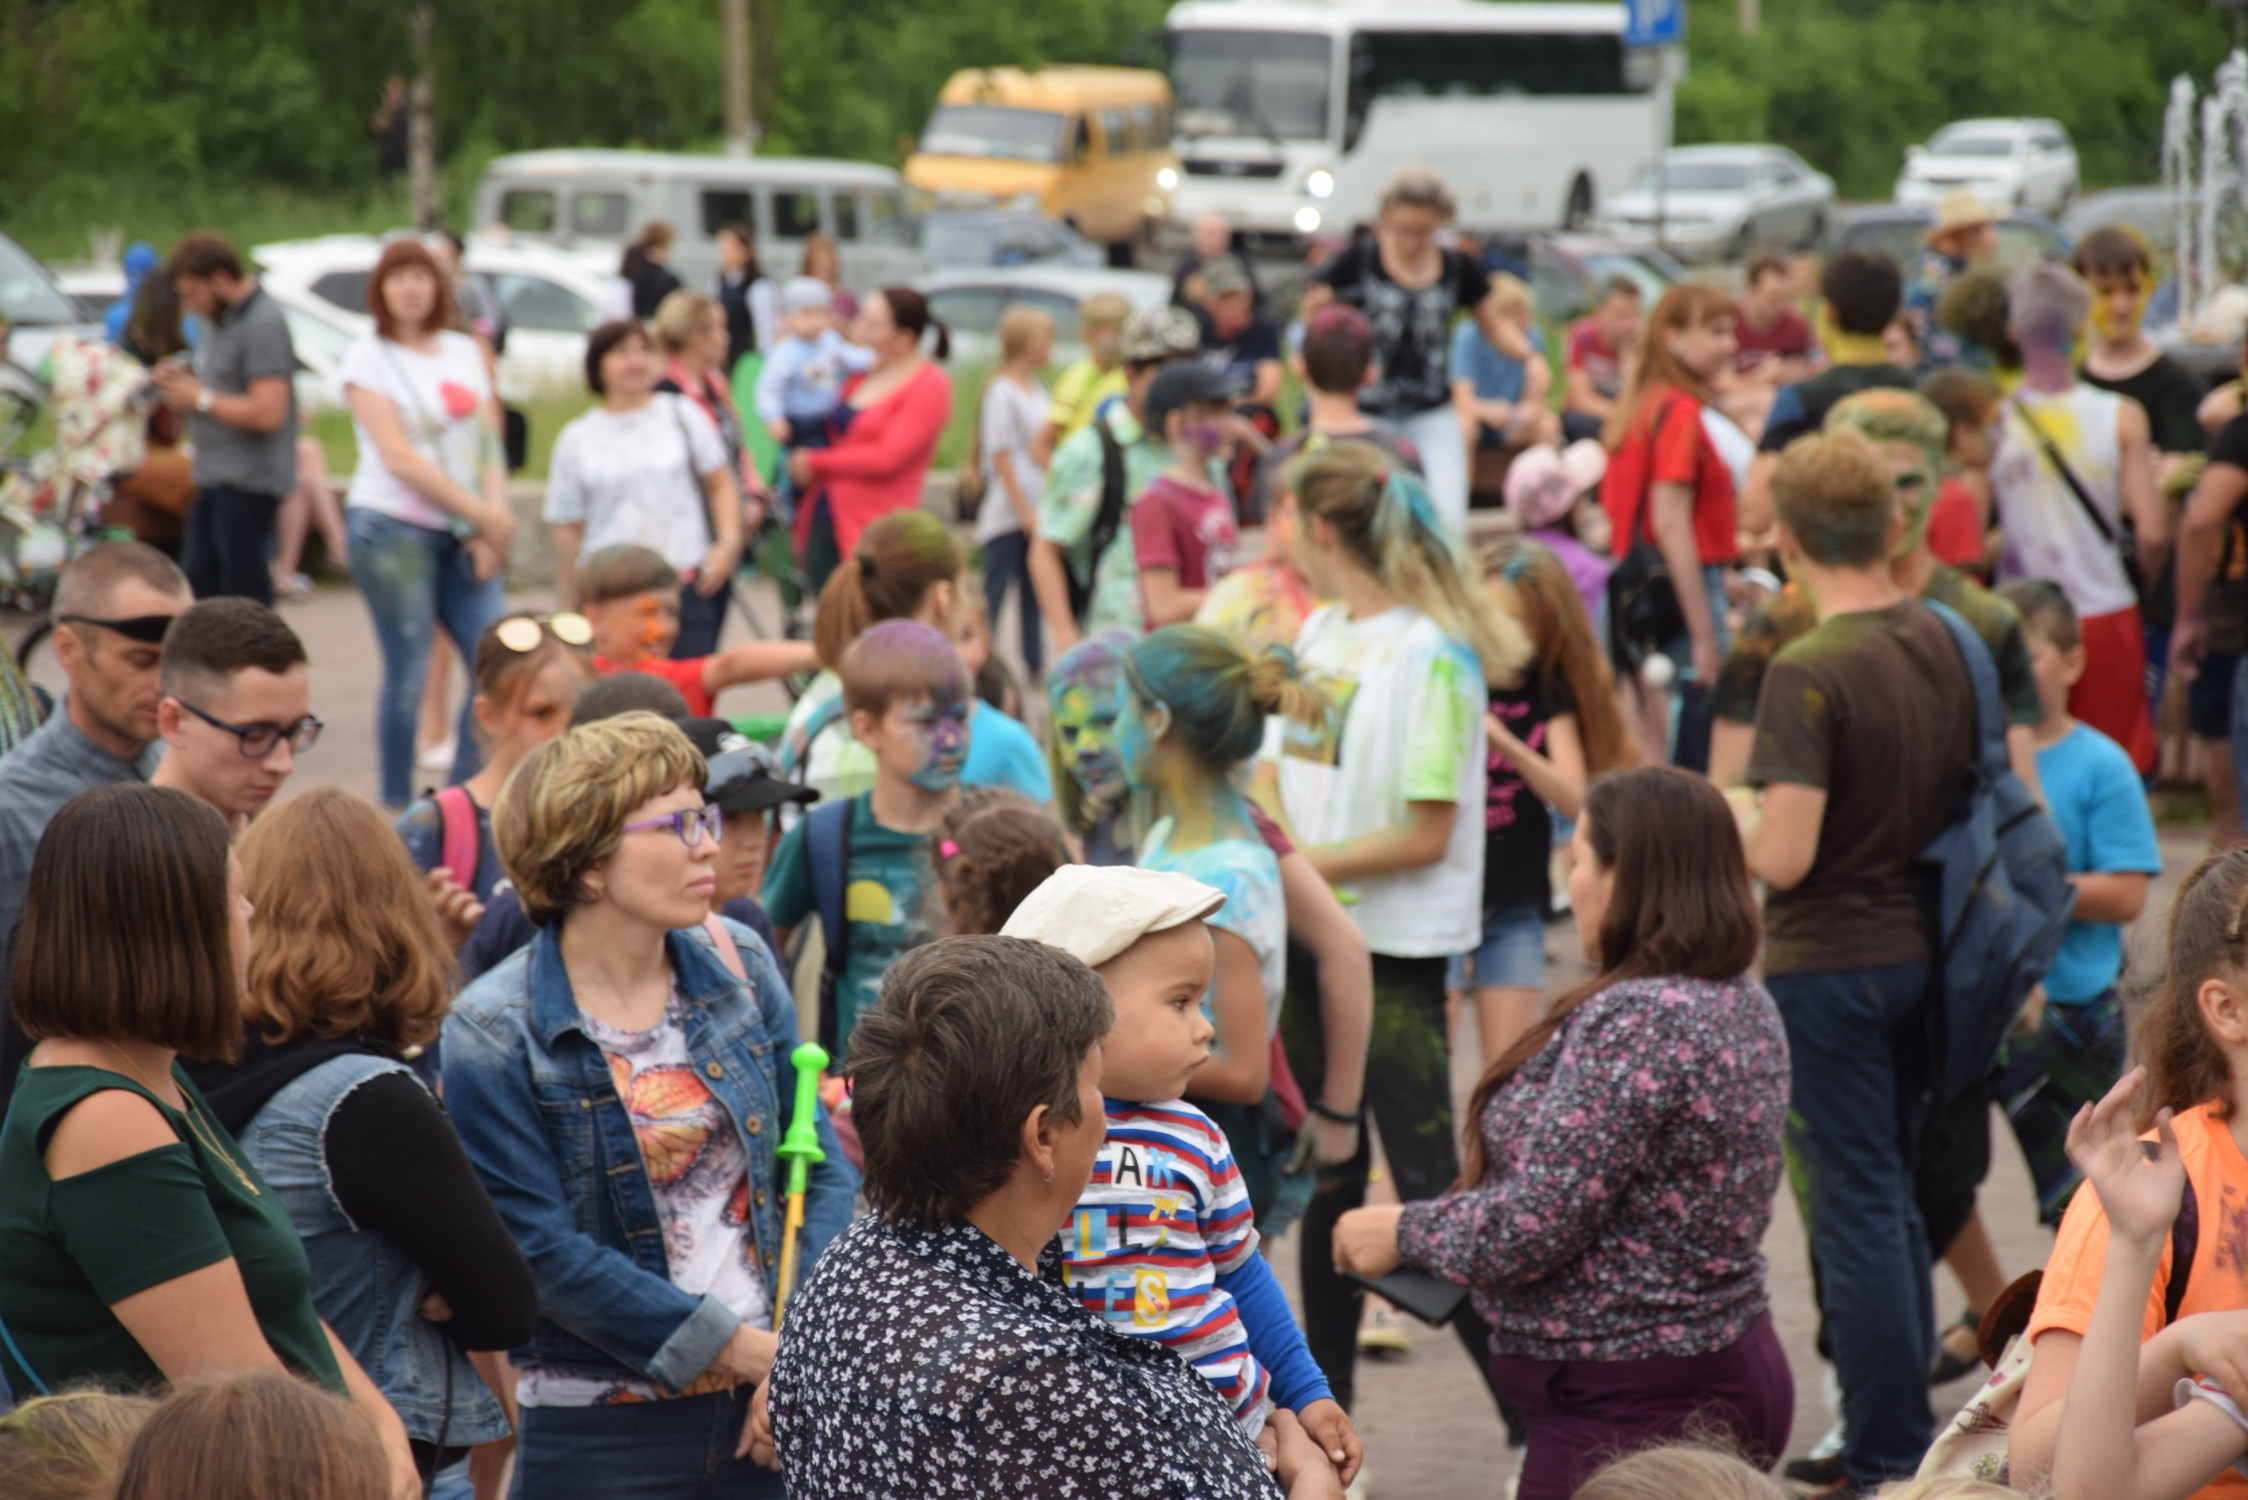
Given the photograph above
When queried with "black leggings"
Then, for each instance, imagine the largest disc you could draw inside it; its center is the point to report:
(1409, 1096)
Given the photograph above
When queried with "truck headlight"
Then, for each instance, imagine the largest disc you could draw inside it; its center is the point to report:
(1319, 182)
(1307, 220)
(1167, 178)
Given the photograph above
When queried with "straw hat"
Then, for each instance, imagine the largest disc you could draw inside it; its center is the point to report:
(1961, 208)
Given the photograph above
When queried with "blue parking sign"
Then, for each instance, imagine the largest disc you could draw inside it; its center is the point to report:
(1654, 23)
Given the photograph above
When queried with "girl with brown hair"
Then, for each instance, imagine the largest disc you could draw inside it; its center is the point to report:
(993, 849)
(1667, 486)
(410, 1263)
(253, 1437)
(1622, 1156)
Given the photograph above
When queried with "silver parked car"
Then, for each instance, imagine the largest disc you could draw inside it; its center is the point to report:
(1724, 201)
(2006, 163)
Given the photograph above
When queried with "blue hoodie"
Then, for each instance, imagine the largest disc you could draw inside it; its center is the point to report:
(140, 259)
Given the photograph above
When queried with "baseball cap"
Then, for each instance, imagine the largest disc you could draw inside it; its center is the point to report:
(1224, 275)
(1094, 912)
(1182, 385)
(1543, 482)
(804, 294)
(1155, 333)
(741, 775)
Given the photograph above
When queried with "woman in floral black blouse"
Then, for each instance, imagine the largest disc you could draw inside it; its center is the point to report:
(935, 1350)
(1621, 1169)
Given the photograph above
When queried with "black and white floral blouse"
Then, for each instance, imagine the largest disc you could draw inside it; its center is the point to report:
(929, 1362)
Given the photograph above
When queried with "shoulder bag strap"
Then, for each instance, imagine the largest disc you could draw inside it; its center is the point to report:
(694, 480)
(714, 927)
(460, 841)
(2068, 475)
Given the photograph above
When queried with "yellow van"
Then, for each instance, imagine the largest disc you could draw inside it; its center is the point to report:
(1091, 146)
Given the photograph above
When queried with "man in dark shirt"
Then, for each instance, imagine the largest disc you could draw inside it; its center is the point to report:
(1864, 735)
(1861, 291)
(1240, 343)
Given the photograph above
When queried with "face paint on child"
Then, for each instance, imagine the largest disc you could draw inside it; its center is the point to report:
(1086, 723)
(1138, 727)
(1914, 472)
(940, 727)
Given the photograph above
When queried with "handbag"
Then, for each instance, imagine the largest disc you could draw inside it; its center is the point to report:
(2121, 539)
(1643, 609)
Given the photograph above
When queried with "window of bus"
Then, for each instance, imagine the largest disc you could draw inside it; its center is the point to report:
(1154, 126)
(601, 215)
(796, 215)
(723, 206)
(1116, 132)
(887, 221)
(1269, 84)
(528, 211)
(846, 206)
(1473, 65)
(995, 130)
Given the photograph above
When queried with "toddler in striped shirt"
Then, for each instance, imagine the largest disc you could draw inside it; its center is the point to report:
(1162, 1245)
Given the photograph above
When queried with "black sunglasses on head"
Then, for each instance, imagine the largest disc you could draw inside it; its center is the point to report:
(148, 628)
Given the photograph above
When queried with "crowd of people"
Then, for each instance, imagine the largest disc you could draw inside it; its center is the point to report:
(909, 1106)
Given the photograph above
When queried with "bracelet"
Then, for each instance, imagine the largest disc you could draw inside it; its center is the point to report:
(1356, 1116)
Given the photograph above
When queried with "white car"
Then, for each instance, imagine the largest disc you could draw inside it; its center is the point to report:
(2014, 163)
(970, 302)
(547, 298)
(1724, 200)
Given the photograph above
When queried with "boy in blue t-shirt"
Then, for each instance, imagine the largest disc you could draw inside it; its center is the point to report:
(2068, 1048)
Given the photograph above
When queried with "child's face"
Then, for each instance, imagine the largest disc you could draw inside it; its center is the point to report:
(1915, 480)
(637, 628)
(974, 639)
(1100, 343)
(539, 712)
(1972, 444)
(1086, 725)
(808, 324)
(1198, 433)
(2056, 672)
(1160, 1036)
(2118, 302)
(922, 740)
(740, 866)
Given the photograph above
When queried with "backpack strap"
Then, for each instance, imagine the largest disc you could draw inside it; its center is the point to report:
(714, 927)
(2185, 1238)
(827, 836)
(1110, 516)
(460, 841)
(1982, 676)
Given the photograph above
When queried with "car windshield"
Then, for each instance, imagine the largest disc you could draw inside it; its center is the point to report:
(1696, 177)
(993, 130)
(1971, 145)
(1272, 84)
(26, 295)
(959, 242)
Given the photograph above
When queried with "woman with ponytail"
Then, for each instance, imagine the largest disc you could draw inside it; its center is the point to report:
(1622, 1159)
(905, 566)
(1385, 798)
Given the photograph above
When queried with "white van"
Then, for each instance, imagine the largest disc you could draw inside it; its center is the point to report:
(595, 202)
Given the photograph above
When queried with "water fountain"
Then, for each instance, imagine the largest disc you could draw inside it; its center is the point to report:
(2202, 189)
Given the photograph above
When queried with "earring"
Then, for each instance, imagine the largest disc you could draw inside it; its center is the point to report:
(1049, 1174)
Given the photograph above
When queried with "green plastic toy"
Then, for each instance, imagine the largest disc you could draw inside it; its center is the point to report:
(799, 1148)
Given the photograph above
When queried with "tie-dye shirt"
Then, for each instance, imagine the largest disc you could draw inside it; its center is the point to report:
(698, 1172)
(1254, 909)
(1163, 1216)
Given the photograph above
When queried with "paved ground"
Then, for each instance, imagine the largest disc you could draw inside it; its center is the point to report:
(1430, 1430)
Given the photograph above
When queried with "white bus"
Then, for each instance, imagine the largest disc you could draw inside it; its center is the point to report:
(1291, 118)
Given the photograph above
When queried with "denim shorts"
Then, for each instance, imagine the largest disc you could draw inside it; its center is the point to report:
(1512, 955)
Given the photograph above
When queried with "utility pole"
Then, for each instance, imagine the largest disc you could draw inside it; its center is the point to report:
(741, 131)
(421, 120)
(1751, 16)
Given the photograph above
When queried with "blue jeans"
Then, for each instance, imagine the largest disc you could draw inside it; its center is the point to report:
(682, 1449)
(701, 621)
(414, 580)
(2240, 718)
(1857, 1051)
(1007, 566)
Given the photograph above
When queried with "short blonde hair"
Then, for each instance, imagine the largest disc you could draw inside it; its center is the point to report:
(68, 1447)
(562, 811)
(1103, 311)
(682, 315)
(1833, 491)
(1020, 327)
(1946, 1487)
(1510, 293)
(1681, 1471)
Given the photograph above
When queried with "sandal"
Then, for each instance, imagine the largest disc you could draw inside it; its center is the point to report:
(1947, 1366)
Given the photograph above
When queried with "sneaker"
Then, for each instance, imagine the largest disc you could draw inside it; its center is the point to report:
(1358, 1488)
(438, 757)
(1383, 1333)
(292, 586)
(1815, 1476)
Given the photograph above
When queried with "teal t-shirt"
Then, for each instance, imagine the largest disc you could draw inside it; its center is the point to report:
(890, 903)
(2100, 806)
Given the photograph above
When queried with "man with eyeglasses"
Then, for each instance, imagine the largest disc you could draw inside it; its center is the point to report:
(237, 707)
(112, 610)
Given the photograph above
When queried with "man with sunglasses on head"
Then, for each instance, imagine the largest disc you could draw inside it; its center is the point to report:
(237, 707)
(112, 610)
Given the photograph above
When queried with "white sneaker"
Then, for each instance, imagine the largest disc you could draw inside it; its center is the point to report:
(1383, 1332)
(438, 757)
(1358, 1489)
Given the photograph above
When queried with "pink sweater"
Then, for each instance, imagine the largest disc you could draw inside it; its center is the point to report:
(878, 464)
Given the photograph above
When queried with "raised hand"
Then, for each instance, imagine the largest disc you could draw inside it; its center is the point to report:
(2140, 1183)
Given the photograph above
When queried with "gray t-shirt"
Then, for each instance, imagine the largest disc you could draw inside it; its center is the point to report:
(250, 342)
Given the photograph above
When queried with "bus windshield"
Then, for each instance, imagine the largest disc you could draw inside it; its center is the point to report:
(993, 130)
(1273, 84)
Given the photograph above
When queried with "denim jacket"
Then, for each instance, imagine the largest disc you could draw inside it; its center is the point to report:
(366, 1288)
(532, 1099)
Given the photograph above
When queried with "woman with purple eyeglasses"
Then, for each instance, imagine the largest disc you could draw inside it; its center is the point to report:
(620, 1086)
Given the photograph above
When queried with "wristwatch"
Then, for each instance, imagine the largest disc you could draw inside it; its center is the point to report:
(203, 399)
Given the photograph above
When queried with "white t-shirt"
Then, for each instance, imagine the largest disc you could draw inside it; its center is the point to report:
(1407, 726)
(2047, 534)
(1010, 418)
(635, 478)
(440, 400)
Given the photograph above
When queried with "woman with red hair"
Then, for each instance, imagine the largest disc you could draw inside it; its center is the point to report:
(427, 510)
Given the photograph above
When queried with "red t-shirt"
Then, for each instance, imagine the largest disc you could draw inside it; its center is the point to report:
(1789, 337)
(687, 676)
(1955, 532)
(1667, 445)
(1588, 351)
(1186, 528)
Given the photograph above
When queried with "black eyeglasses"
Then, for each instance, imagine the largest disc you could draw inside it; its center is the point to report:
(147, 628)
(259, 740)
